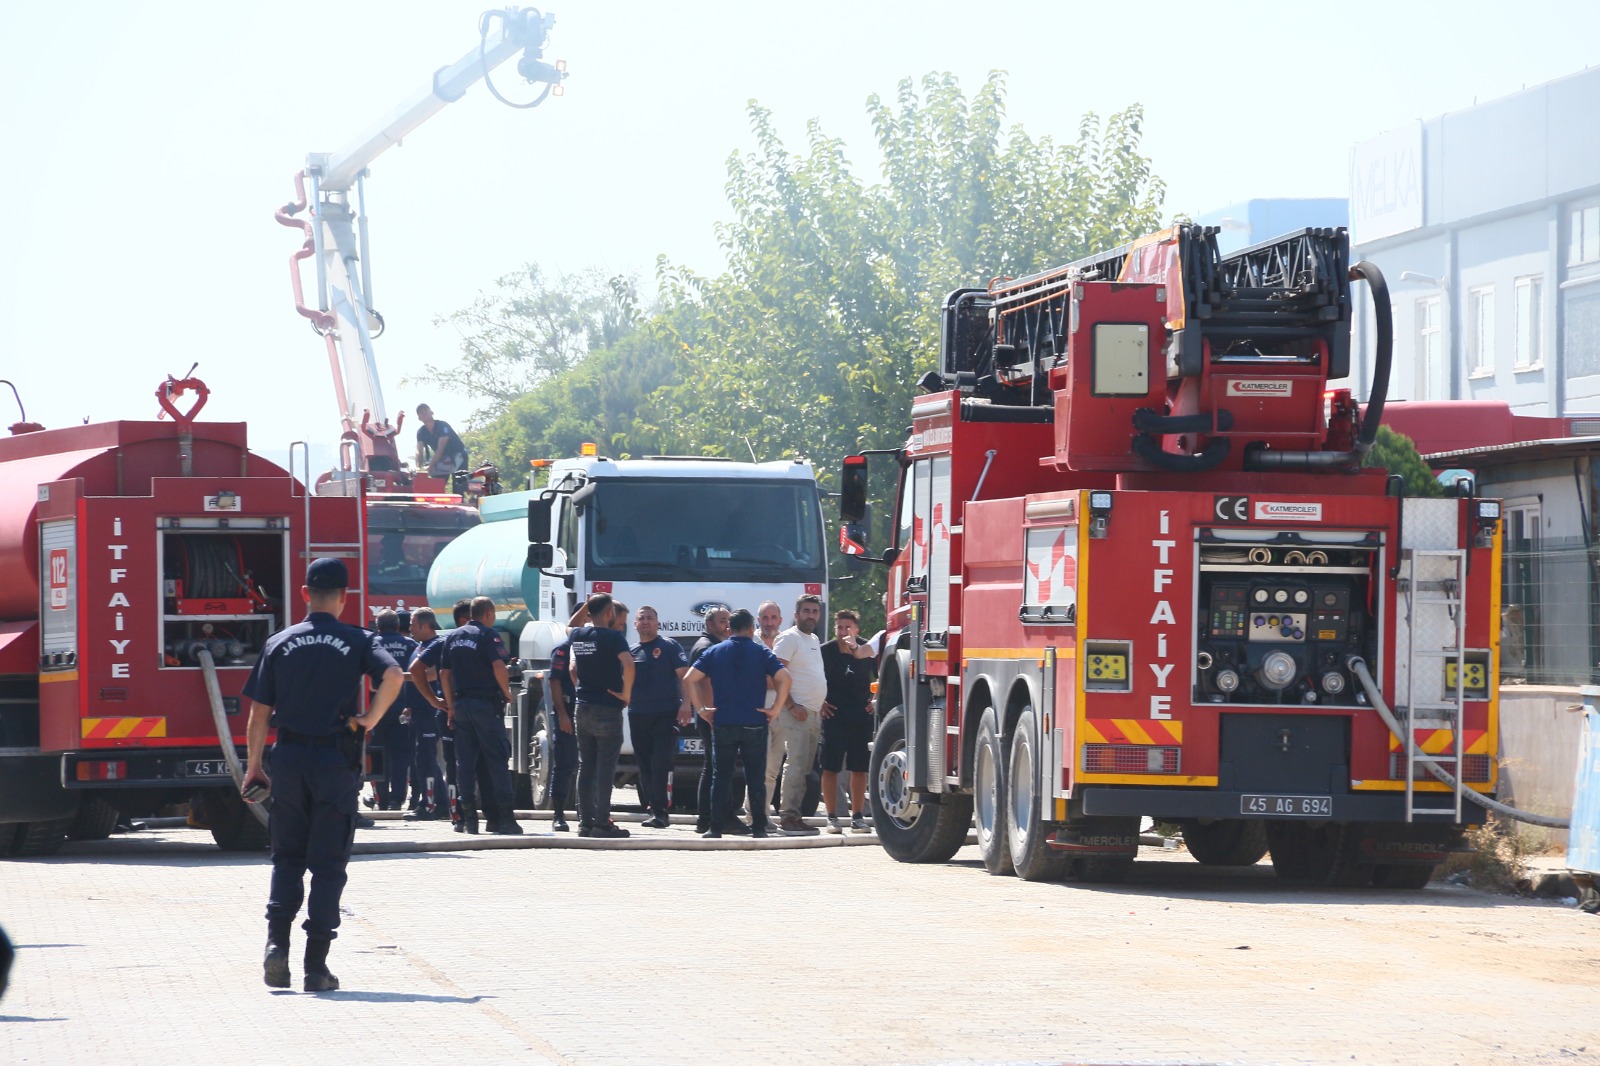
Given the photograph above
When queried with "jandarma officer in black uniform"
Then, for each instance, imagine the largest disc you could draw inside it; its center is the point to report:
(305, 685)
(476, 688)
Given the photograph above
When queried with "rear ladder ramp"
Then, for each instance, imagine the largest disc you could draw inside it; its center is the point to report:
(1432, 582)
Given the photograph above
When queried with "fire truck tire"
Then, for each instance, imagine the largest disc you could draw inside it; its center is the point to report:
(1316, 855)
(911, 831)
(233, 827)
(989, 796)
(32, 839)
(1402, 876)
(1027, 835)
(1231, 842)
(96, 820)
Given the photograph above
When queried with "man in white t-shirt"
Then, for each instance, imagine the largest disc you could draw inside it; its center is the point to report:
(799, 724)
(769, 623)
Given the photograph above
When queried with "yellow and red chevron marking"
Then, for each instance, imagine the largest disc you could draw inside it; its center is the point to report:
(1437, 741)
(1132, 731)
(123, 728)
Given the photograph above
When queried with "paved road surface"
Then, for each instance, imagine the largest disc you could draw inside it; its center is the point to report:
(146, 949)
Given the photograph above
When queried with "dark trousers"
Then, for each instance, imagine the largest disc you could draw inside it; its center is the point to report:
(313, 824)
(599, 743)
(655, 742)
(481, 728)
(707, 766)
(448, 737)
(747, 743)
(563, 765)
(399, 749)
(425, 762)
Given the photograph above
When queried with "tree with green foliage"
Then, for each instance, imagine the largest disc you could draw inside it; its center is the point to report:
(1397, 453)
(812, 340)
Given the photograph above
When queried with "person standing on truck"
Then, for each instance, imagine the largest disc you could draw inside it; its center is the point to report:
(476, 689)
(847, 719)
(426, 782)
(739, 669)
(658, 705)
(438, 445)
(602, 677)
(799, 722)
(305, 685)
(716, 631)
(769, 623)
(394, 734)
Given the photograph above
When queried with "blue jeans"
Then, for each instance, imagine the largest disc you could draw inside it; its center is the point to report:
(312, 825)
(599, 743)
(481, 728)
(655, 742)
(730, 743)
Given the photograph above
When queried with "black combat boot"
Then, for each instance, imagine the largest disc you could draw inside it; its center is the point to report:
(275, 965)
(506, 824)
(318, 978)
(469, 822)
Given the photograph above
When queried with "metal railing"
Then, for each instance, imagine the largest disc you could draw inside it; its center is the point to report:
(1550, 614)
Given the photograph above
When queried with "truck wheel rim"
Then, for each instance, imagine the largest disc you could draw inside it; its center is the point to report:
(987, 794)
(1021, 785)
(893, 796)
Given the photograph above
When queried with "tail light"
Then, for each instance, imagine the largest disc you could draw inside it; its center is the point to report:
(102, 770)
(1130, 759)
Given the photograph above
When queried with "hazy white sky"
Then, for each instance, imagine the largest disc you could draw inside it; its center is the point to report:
(147, 145)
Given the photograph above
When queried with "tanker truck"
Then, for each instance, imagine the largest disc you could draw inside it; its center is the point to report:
(142, 567)
(683, 535)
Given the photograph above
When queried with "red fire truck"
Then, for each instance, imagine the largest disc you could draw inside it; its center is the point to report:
(142, 567)
(1138, 572)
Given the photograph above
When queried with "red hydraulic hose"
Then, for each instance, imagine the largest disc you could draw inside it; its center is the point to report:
(322, 321)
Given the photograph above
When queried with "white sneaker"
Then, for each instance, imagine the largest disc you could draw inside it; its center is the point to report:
(858, 824)
(834, 825)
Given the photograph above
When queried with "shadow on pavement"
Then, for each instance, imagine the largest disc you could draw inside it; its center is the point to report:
(1258, 884)
(25, 1018)
(399, 997)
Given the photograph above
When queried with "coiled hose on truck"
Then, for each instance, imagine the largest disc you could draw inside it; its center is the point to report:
(1359, 668)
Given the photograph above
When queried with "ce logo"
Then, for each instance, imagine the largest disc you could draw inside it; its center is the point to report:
(1232, 508)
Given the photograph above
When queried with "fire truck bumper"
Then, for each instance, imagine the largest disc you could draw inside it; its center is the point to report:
(1180, 803)
(166, 768)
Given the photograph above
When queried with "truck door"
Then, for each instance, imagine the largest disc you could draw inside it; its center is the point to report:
(557, 598)
(930, 540)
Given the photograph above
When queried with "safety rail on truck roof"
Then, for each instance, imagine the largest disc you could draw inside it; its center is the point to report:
(1284, 299)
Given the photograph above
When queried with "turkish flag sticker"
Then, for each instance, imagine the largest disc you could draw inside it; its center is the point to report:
(813, 589)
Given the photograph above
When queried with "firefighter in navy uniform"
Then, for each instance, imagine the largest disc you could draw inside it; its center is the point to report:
(396, 734)
(476, 687)
(306, 685)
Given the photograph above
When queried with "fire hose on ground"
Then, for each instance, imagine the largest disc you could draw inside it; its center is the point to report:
(1359, 668)
(219, 715)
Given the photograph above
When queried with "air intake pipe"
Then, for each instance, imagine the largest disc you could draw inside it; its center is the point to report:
(1264, 459)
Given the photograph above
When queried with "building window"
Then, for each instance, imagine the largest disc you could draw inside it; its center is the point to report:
(1480, 330)
(1430, 350)
(1583, 244)
(1530, 322)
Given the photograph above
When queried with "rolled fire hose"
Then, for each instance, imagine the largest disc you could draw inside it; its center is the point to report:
(208, 667)
(1359, 668)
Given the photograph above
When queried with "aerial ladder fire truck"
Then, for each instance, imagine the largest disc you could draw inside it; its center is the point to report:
(1138, 571)
(411, 517)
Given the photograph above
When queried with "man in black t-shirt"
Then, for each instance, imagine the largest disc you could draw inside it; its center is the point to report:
(602, 674)
(850, 666)
(436, 438)
(476, 689)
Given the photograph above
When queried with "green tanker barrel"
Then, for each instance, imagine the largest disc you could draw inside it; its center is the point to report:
(490, 560)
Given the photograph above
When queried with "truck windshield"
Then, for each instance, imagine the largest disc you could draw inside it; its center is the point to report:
(686, 529)
(402, 541)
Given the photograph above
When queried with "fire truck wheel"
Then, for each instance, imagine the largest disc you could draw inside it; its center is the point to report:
(1403, 876)
(911, 831)
(35, 838)
(96, 818)
(988, 796)
(1232, 842)
(539, 761)
(1317, 855)
(233, 827)
(1027, 835)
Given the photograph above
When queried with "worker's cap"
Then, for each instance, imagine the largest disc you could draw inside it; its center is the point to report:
(405, 619)
(327, 574)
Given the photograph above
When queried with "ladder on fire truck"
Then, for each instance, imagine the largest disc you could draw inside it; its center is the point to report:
(1433, 582)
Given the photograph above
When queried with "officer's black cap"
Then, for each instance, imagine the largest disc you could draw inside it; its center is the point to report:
(327, 574)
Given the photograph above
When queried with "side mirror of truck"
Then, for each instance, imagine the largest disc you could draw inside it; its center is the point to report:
(853, 491)
(541, 556)
(539, 519)
(890, 554)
